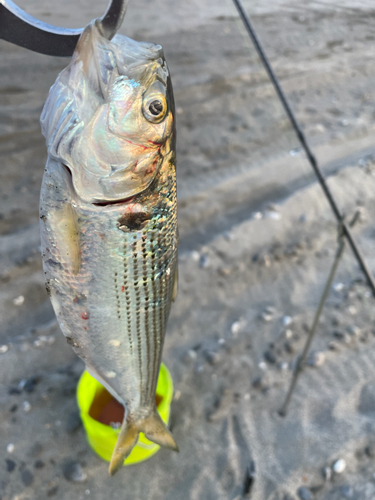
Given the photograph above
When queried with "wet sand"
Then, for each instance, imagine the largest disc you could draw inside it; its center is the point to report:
(257, 242)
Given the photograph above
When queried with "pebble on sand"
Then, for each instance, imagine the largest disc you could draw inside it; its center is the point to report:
(18, 301)
(26, 406)
(270, 357)
(3, 349)
(11, 465)
(352, 310)
(304, 493)
(287, 320)
(192, 354)
(283, 366)
(10, 448)
(355, 330)
(370, 450)
(316, 358)
(339, 466)
(27, 477)
(260, 382)
(346, 491)
(333, 346)
(73, 422)
(195, 256)
(272, 214)
(295, 151)
(327, 473)
(269, 313)
(52, 492)
(44, 340)
(30, 384)
(288, 334)
(235, 328)
(338, 287)
(212, 357)
(289, 348)
(204, 261)
(73, 472)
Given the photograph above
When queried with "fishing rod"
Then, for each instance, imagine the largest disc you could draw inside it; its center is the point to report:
(302, 139)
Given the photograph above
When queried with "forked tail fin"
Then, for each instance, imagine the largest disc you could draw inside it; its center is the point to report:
(154, 429)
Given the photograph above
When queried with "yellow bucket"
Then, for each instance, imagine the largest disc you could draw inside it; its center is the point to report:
(102, 438)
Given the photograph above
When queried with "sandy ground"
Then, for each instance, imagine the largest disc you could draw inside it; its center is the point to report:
(257, 241)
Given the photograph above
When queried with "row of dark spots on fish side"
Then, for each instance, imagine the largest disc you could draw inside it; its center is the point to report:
(117, 297)
(146, 307)
(154, 301)
(127, 299)
(137, 310)
(161, 243)
(159, 319)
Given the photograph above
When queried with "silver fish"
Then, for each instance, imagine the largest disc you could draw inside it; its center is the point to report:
(108, 214)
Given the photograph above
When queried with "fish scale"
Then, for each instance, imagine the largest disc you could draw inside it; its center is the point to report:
(109, 220)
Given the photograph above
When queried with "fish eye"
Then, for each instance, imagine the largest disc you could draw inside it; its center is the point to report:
(155, 108)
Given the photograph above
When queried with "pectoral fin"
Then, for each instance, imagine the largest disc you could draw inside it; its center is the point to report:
(67, 236)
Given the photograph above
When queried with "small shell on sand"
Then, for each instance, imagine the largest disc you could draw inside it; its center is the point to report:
(10, 448)
(339, 466)
(26, 406)
(316, 358)
(18, 301)
(74, 472)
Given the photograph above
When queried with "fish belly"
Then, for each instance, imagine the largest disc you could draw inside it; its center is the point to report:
(111, 281)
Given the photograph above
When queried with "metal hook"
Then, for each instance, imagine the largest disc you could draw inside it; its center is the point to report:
(18, 27)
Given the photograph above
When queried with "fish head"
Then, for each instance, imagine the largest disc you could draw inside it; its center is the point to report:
(134, 131)
(110, 117)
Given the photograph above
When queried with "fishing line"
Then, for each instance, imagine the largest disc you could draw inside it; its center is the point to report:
(302, 139)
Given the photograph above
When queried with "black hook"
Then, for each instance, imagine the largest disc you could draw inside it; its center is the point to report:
(18, 27)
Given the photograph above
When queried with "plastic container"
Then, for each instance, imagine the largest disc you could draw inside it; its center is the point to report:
(102, 438)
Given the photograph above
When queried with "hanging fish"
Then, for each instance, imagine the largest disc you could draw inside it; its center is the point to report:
(108, 214)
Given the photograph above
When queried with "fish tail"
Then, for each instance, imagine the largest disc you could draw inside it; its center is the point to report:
(126, 441)
(154, 429)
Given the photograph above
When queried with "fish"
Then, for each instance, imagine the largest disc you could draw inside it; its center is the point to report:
(108, 220)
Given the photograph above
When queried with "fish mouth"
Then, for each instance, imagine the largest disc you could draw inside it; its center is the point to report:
(115, 202)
